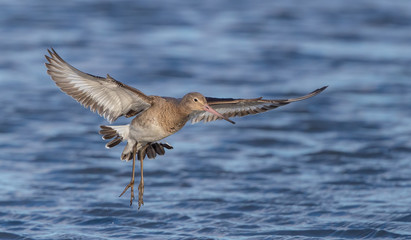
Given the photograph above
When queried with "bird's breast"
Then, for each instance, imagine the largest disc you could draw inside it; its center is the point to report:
(158, 122)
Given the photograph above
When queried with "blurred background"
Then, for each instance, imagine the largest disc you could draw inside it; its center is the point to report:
(335, 166)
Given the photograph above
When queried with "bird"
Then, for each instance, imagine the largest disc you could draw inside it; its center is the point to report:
(154, 117)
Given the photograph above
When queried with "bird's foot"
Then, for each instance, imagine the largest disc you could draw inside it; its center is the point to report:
(140, 194)
(130, 185)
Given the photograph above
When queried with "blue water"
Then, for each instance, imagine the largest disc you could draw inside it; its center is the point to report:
(337, 166)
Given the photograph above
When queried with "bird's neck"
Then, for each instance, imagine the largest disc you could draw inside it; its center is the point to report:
(173, 116)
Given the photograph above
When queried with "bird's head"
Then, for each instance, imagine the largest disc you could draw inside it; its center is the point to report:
(195, 101)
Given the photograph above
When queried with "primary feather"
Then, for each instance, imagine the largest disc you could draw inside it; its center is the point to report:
(109, 97)
(230, 107)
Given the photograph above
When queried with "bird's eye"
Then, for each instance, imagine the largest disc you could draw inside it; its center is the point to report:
(195, 100)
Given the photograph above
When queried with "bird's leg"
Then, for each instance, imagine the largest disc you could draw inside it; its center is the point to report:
(141, 185)
(131, 184)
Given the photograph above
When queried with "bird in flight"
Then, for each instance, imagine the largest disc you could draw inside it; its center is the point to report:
(155, 117)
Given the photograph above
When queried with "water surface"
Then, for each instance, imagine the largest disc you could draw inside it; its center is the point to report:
(336, 166)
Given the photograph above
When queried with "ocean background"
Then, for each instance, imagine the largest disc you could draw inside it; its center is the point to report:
(336, 166)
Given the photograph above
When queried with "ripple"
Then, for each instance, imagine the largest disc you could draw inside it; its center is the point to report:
(9, 236)
(406, 218)
(333, 166)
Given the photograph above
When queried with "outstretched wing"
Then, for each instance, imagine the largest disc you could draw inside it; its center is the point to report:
(230, 107)
(109, 97)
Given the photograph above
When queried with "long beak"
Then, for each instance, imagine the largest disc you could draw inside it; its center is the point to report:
(210, 110)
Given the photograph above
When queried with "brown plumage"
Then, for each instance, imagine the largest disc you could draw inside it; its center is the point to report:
(154, 117)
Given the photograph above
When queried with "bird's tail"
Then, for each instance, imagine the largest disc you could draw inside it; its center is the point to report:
(120, 133)
(151, 151)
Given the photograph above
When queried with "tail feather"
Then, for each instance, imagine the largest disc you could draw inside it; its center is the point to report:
(114, 142)
(110, 135)
(159, 149)
(156, 148)
(151, 151)
(120, 133)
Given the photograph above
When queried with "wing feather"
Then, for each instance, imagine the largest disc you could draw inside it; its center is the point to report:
(230, 107)
(106, 96)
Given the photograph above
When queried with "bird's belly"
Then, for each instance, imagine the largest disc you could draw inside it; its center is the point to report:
(148, 133)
